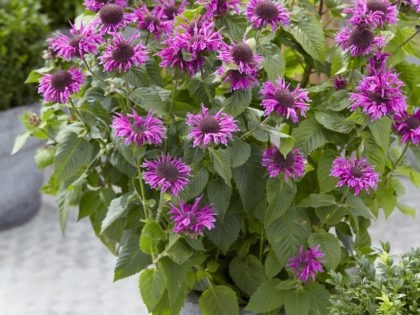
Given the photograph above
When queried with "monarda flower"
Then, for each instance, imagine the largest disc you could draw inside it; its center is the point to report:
(359, 40)
(379, 95)
(238, 80)
(112, 18)
(355, 174)
(151, 21)
(170, 8)
(207, 129)
(136, 129)
(340, 83)
(408, 127)
(377, 63)
(83, 40)
(373, 12)
(279, 98)
(266, 12)
(191, 219)
(293, 165)
(174, 55)
(58, 86)
(96, 5)
(306, 264)
(220, 7)
(414, 3)
(122, 54)
(242, 56)
(167, 173)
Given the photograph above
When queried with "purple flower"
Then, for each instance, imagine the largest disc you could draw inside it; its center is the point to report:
(292, 165)
(356, 174)
(192, 219)
(282, 100)
(373, 12)
(359, 40)
(242, 57)
(208, 129)
(82, 41)
(96, 5)
(340, 83)
(306, 263)
(151, 21)
(170, 8)
(112, 18)
(377, 63)
(266, 12)
(58, 86)
(414, 3)
(220, 7)
(135, 128)
(167, 173)
(238, 80)
(379, 95)
(122, 54)
(408, 126)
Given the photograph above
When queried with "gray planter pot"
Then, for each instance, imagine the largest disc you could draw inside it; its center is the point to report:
(21, 180)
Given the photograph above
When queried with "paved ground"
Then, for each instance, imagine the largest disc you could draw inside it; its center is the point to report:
(42, 273)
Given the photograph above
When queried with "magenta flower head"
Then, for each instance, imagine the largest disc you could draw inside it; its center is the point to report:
(112, 18)
(414, 3)
(340, 83)
(151, 21)
(293, 165)
(377, 63)
(359, 40)
(356, 174)
(134, 128)
(58, 86)
(210, 129)
(242, 57)
(266, 12)
(191, 219)
(96, 5)
(379, 95)
(306, 264)
(167, 173)
(408, 127)
(220, 7)
(83, 40)
(170, 8)
(122, 54)
(373, 12)
(279, 98)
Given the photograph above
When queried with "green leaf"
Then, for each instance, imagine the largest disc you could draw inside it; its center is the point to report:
(280, 196)
(288, 233)
(272, 265)
(219, 195)
(221, 162)
(72, 154)
(318, 297)
(130, 259)
(325, 181)
(387, 199)
(178, 252)
(152, 287)
(338, 101)
(44, 157)
(226, 232)
(20, 141)
(219, 300)
(317, 200)
(375, 154)
(309, 135)
(89, 203)
(235, 26)
(37, 74)
(308, 32)
(63, 208)
(329, 246)
(197, 184)
(117, 208)
(151, 235)
(297, 303)
(334, 121)
(237, 102)
(274, 64)
(240, 151)
(267, 298)
(247, 273)
(381, 132)
(358, 207)
(153, 98)
(407, 209)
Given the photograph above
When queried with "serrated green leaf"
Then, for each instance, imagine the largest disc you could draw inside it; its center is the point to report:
(387, 199)
(329, 246)
(375, 154)
(237, 102)
(152, 287)
(280, 196)
(274, 63)
(44, 157)
(297, 303)
(381, 132)
(318, 297)
(247, 273)
(272, 265)
(219, 300)
(151, 235)
(89, 203)
(117, 208)
(334, 121)
(226, 232)
(219, 195)
(152, 99)
(317, 200)
(309, 135)
(325, 181)
(20, 141)
(407, 209)
(221, 161)
(240, 151)
(267, 298)
(197, 184)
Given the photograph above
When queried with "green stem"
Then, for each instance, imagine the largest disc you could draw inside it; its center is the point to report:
(160, 206)
(249, 132)
(401, 156)
(78, 114)
(321, 7)
(171, 106)
(306, 75)
(49, 135)
(339, 205)
(408, 39)
(91, 71)
(127, 92)
(143, 192)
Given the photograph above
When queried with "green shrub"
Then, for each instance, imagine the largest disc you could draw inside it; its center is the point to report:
(22, 30)
(60, 12)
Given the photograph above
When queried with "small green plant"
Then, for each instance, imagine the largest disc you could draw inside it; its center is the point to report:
(380, 287)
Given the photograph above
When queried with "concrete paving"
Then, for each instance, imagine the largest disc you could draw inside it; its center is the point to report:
(42, 273)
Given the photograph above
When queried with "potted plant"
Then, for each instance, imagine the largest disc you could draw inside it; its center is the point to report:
(232, 151)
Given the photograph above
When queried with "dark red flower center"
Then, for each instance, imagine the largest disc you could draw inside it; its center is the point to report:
(362, 36)
(193, 219)
(340, 83)
(150, 19)
(284, 98)
(209, 125)
(356, 172)
(111, 14)
(123, 52)
(287, 162)
(138, 129)
(377, 5)
(168, 171)
(74, 42)
(412, 122)
(61, 79)
(378, 98)
(242, 53)
(170, 12)
(266, 10)
(102, 1)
